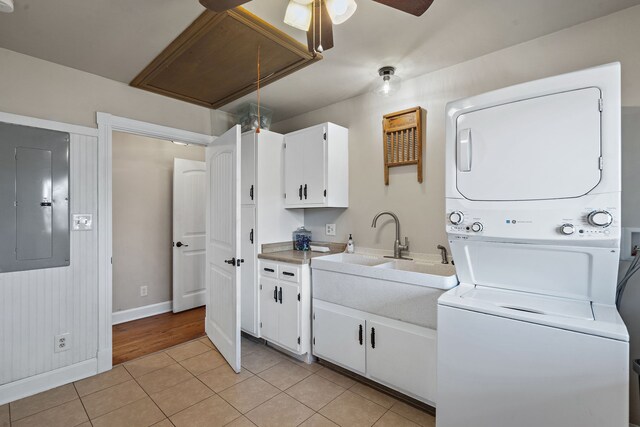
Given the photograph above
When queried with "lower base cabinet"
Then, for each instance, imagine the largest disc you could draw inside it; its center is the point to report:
(285, 305)
(399, 355)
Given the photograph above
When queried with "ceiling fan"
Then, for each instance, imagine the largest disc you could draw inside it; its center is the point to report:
(317, 17)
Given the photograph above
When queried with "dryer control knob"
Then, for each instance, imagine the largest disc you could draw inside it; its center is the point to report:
(476, 227)
(456, 217)
(600, 218)
(567, 229)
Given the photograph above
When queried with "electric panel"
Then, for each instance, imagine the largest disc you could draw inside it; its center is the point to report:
(34, 198)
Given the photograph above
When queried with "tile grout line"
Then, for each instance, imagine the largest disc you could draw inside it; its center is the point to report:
(82, 403)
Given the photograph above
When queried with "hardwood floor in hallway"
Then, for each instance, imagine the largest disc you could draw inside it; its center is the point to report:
(137, 338)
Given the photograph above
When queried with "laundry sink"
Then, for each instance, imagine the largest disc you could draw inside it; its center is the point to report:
(438, 276)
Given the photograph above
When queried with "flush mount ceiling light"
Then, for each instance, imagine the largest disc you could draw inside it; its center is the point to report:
(341, 10)
(298, 14)
(390, 82)
(6, 6)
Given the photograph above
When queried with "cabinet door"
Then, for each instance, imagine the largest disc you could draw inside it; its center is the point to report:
(248, 165)
(339, 338)
(249, 307)
(269, 309)
(315, 165)
(289, 316)
(403, 358)
(293, 169)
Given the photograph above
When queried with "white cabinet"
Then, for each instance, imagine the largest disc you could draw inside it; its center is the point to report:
(317, 167)
(285, 305)
(399, 355)
(263, 216)
(339, 337)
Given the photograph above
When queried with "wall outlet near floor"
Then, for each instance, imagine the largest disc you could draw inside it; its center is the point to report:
(62, 342)
(144, 291)
(330, 229)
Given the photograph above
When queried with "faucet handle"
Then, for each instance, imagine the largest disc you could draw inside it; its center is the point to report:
(406, 243)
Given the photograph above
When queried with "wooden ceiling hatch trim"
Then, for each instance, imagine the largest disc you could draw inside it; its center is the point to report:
(212, 62)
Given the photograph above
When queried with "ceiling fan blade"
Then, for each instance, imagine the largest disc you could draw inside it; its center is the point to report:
(414, 7)
(324, 32)
(222, 5)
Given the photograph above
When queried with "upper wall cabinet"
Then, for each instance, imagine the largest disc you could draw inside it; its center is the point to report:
(316, 167)
(213, 61)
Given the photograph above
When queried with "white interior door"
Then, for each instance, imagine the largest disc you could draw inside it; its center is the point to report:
(223, 246)
(189, 181)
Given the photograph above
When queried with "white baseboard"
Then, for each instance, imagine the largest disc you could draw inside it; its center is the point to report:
(141, 312)
(46, 381)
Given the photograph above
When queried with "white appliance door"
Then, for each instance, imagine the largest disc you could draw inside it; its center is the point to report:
(546, 147)
(189, 230)
(223, 246)
(527, 375)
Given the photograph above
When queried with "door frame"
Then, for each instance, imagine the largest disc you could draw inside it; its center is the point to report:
(107, 124)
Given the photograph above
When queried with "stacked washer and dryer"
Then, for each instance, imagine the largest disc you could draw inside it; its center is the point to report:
(531, 337)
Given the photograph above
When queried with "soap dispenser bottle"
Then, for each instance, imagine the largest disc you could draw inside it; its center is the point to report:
(350, 247)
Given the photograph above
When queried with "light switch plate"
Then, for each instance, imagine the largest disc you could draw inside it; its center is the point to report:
(82, 222)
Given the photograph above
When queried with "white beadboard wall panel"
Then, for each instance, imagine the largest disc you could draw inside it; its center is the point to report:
(36, 305)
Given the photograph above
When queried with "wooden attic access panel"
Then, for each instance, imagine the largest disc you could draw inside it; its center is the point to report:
(213, 61)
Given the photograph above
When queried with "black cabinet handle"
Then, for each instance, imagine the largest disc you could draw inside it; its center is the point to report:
(275, 294)
(360, 334)
(300, 192)
(46, 204)
(305, 191)
(239, 261)
(280, 295)
(270, 270)
(251, 236)
(231, 261)
(373, 337)
(251, 192)
(286, 273)
(180, 244)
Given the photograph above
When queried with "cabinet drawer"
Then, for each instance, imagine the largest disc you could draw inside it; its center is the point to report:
(268, 269)
(289, 273)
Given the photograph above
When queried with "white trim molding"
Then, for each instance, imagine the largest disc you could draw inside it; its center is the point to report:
(47, 124)
(31, 385)
(123, 316)
(107, 124)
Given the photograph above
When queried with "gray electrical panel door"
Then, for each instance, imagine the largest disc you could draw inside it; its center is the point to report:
(34, 198)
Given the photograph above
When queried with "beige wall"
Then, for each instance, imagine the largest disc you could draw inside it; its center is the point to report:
(37, 88)
(142, 217)
(421, 206)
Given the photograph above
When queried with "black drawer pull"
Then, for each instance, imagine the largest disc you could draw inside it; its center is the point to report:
(251, 192)
(305, 191)
(373, 337)
(251, 236)
(275, 294)
(45, 204)
(300, 192)
(286, 273)
(360, 334)
(280, 295)
(270, 270)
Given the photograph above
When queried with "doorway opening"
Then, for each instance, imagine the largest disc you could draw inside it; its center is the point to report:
(158, 235)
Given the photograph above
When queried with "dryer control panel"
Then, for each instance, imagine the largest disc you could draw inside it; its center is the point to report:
(560, 220)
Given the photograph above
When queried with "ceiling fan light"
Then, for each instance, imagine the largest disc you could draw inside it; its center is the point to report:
(341, 10)
(298, 15)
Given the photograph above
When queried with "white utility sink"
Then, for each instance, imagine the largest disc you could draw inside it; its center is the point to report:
(438, 276)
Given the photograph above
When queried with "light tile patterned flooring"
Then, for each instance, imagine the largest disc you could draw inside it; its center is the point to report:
(191, 385)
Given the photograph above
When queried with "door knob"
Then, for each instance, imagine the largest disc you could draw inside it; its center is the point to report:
(180, 244)
(231, 261)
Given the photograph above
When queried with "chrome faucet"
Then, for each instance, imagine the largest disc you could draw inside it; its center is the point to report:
(443, 253)
(397, 247)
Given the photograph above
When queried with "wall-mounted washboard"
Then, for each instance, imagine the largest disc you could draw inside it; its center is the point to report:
(402, 139)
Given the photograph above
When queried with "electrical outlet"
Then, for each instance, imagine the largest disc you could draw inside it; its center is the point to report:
(330, 229)
(144, 291)
(62, 342)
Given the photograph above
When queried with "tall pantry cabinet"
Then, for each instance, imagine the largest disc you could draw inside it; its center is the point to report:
(264, 218)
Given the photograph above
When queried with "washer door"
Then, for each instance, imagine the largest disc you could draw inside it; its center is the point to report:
(547, 147)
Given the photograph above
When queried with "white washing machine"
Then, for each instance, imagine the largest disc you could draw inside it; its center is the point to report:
(532, 337)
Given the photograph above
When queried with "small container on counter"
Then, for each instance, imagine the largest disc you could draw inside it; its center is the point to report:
(302, 239)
